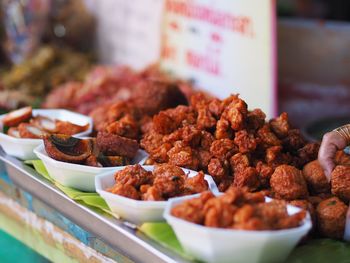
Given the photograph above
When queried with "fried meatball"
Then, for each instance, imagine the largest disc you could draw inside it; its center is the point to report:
(223, 148)
(133, 175)
(331, 217)
(246, 142)
(169, 179)
(340, 182)
(287, 182)
(315, 178)
(280, 125)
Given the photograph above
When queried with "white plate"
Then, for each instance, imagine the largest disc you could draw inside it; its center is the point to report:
(137, 211)
(23, 148)
(239, 246)
(77, 176)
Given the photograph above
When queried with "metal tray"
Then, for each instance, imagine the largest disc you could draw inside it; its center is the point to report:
(121, 236)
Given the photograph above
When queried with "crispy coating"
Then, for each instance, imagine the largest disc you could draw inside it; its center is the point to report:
(236, 113)
(134, 175)
(216, 107)
(315, 178)
(152, 193)
(223, 148)
(237, 209)
(307, 206)
(331, 216)
(264, 173)
(205, 118)
(287, 182)
(125, 190)
(280, 125)
(246, 142)
(267, 137)
(163, 123)
(239, 162)
(169, 179)
(125, 127)
(196, 184)
(223, 129)
(340, 182)
(218, 169)
(255, 119)
(294, 140)
(113, 144)
(183, 156)
(247, 177)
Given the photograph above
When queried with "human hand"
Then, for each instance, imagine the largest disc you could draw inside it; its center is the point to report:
(331, 143)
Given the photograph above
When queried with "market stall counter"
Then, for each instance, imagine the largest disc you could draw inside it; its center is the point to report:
(100, 236)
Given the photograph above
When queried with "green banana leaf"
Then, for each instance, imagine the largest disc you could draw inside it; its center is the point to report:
(90, 199)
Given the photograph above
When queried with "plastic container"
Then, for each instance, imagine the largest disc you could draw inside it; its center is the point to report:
(137, 211)
(238, 246)
(77, 176)
(23, 148)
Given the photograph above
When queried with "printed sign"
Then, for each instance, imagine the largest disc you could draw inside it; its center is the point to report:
(224, 46)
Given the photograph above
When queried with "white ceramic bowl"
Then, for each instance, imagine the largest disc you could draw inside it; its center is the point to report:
(238, 246)
(137, 211)
(77, 176)
(23, 148)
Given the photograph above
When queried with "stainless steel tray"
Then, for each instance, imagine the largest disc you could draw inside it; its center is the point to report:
(120, 236)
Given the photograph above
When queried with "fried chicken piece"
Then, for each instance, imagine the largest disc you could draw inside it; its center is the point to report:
(315, 178)
(215, 107)
(163, 123)
(255, 119)
(196, 184)
(151, 193)
(134, 175)
(218, 169)
(264, 173)
(246, 142)
(190, 135)
(113, 144)
(151, 142)
(169, 179)
(125, 127)
(239, 162)
(267, 137)
(205, 119)
(272, 212)
(340, 182)
(291, 221)
(182, 115)
(247, 177)
(206, 140)
(331, 216)
(341, 158)
(223, 148)
(204, 158)
(125, 190)
(294, 140)
(192, 210)
(183, 156)
(280, 125)
(236, 113)
(307, 206)
(288, 183)
(223, 129)
(218, 213)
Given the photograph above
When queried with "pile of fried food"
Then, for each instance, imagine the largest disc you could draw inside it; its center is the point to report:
(238, 209)
(22, 124)
(238, 147)
(28, 82)
(103, 151)
(166, 181)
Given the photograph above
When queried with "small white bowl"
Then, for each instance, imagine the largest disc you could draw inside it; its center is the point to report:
(137, 211)
(77, 176)
(239, 246)
(23, 148)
